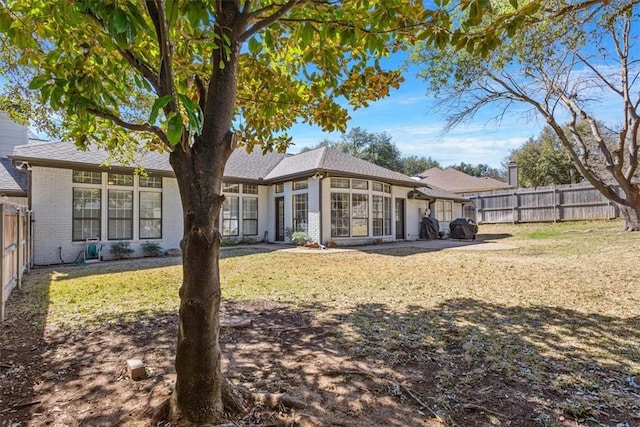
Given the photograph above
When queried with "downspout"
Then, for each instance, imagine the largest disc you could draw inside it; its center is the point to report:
(320, 208)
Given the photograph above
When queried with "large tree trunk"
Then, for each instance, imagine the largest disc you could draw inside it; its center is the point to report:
(202, 394)
(198, 391)
(631, 217)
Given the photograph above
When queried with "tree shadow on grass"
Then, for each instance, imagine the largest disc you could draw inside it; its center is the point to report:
(465, 361)
(529, 365)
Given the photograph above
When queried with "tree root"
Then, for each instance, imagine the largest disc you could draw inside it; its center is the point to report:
(277, 400)
(235, 399)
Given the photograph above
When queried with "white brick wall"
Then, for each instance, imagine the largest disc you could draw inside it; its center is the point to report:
(51, 204)
(52, 196)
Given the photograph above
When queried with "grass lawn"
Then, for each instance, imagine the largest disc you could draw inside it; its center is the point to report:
(546, 333)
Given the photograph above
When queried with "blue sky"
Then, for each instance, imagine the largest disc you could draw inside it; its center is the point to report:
(407, 116)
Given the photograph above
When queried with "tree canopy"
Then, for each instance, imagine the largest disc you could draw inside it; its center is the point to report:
(543, 161)
(480, 170)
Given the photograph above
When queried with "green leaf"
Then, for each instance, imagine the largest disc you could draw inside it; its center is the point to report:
(174, 128)
(157, 105)
(254, 46)
(307, 33)
(188, 103)
(38, 82)
(5, 20)
(514, 3)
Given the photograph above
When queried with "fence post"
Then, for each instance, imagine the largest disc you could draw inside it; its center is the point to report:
(2, 278)
(28, 242)
(18, 248)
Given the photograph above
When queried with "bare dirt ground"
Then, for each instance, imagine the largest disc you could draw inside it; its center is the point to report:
(77, 377)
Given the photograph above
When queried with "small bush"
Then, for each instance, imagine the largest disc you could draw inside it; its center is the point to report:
(299, 238)
(121, 250)
(152, 249)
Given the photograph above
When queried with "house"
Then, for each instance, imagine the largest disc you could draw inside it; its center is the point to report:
(458, 182)
(327, 194)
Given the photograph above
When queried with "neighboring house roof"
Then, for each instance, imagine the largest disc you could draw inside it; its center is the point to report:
(241, 166)
(12, 181)
(335, 162)
(453, 180)
(433, 192)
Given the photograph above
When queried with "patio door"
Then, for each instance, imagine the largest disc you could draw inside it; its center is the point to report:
(279, 219)
(399, 219)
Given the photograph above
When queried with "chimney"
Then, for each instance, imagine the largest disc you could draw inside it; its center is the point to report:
(512, 174)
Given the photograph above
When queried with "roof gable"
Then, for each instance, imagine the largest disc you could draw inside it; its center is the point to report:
(453, 180)
(333, 161)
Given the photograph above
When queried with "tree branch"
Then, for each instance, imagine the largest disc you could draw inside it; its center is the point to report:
(265, 22)
(137, 63)
(132, 126)
(165, 85)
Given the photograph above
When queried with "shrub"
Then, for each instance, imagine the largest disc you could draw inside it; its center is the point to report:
(152, 249)
(121, 250)
(299, 238)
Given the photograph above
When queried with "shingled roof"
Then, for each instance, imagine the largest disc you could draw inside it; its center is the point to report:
(334, 162)
(67, 154)
(453, 180)
(12, 181)
(242, 166)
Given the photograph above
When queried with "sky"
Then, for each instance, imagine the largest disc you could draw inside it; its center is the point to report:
(407, 116)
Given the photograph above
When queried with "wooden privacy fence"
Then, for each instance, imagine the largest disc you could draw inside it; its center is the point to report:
(570, 202)
(16, 254)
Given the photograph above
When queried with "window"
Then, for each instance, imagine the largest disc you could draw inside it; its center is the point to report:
(300, 212)
(360, 212)
(150, 181)
(359, 184)
(230, 216)
(86, 214)
(120, 215)
(250, 189)
(280, 188)
(444, 210)
(120, 179)
(300, 185)
(150, 215)
(84, 177)
(340, 214)
(230, 188)
(379, 186)
(381, 216)
(339, 183)
(250, 216)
